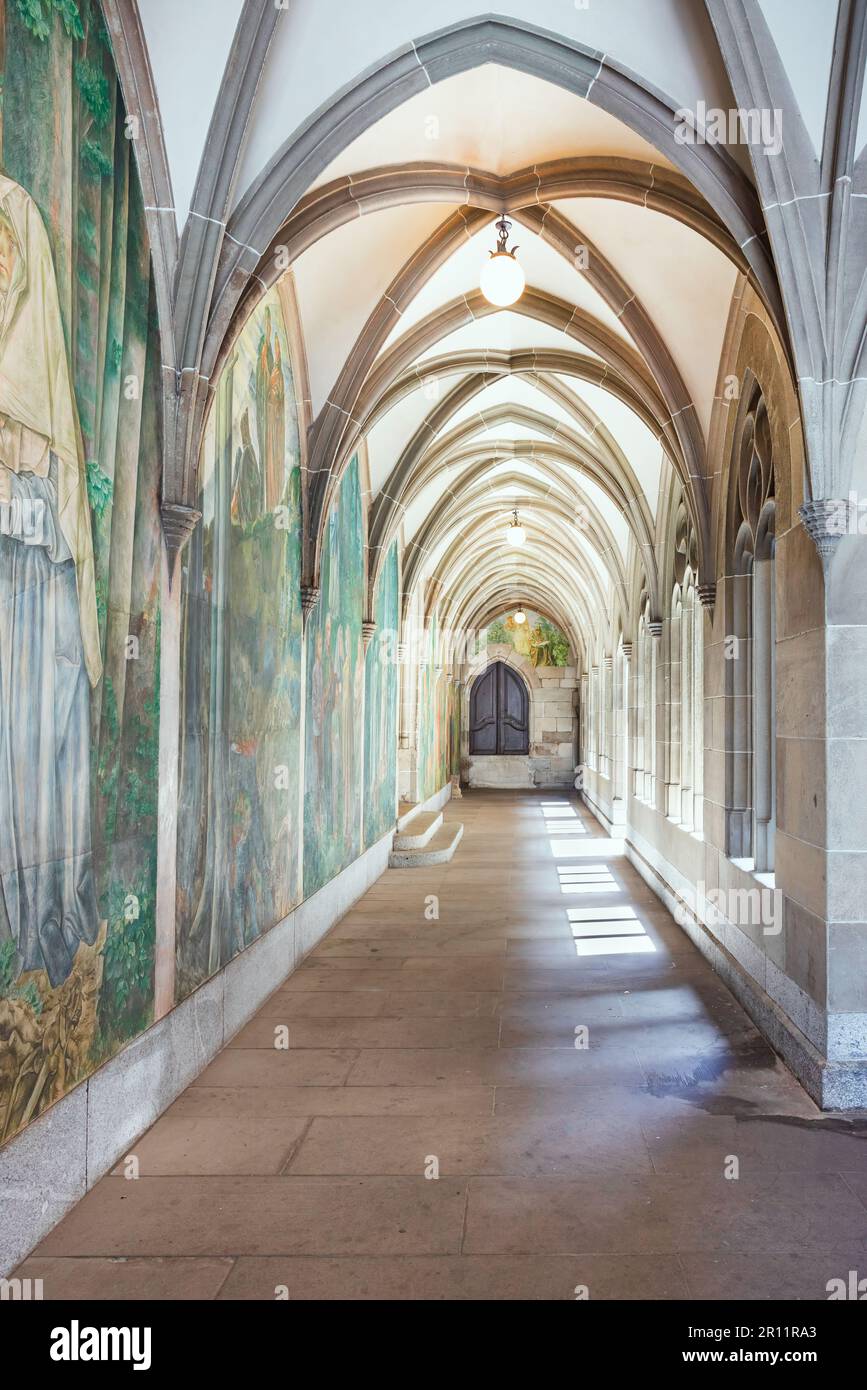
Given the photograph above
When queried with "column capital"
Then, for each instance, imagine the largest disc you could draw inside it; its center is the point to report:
(826, 520)
(706, 594)
(309, 600)
(654, 627)
(179, 522)
(367, 630)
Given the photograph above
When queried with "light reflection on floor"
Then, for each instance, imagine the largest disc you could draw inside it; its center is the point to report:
(614, 931)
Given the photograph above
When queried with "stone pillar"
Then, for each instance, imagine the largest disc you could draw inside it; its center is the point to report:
(674, 702)
(178, 522)
(619, 680)
(656, 707)
(831, 783)
(606, 710)
(407, 762)
(629, 720)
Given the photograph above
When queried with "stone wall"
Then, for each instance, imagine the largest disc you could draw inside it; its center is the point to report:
(787, 934)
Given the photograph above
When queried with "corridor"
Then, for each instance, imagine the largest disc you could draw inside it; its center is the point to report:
(508, 1077)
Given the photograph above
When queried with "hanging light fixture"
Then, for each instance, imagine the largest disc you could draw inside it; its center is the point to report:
(502, 280)
(515, 533)
(520, 616)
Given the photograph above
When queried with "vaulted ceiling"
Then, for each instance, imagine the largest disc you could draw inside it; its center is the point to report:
(561, 407)
(375, 157)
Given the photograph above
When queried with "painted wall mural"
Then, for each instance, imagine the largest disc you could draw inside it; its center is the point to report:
(438, 723)
(334, 760)
(238, 831)
(79, 563)
(540, 640)
(380, 708)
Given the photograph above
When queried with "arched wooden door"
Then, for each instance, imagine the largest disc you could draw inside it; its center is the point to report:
(499, 712)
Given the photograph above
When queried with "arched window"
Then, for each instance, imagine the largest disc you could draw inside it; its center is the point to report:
(697, 712)
(646, 713)
(640, 754)
(751, 687)
(605, 717)
(620, 723)
(687, 682)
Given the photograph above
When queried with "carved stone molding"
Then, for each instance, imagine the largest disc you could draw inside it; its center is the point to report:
(367, 631)
(402, 653)
(654, 627)
(179, 523)
(706, 594)
(607, 663)
(309, 600)
(826, 521)
(626, 648)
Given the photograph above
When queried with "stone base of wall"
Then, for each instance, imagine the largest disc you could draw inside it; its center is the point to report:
(65, 1152)
(833, 1085)
(517, 773)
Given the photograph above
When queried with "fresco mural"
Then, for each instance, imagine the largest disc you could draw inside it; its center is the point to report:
(335, 691)
(538, 639)
(238, 832)
(455, 730)
(380, 708)
(438, 723)
(79, 562)
(426, 717)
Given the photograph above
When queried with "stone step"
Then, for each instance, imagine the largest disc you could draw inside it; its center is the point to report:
(420, 829)
(438, 850)
(407, 811)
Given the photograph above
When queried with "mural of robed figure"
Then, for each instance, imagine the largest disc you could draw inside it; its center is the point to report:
(49, 638)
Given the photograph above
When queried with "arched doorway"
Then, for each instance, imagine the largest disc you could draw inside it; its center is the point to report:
(499, 713)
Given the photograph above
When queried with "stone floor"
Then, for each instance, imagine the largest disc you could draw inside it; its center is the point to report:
(415, 1042)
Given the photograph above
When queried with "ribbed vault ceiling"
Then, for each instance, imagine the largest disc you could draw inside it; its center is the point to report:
(583, 406)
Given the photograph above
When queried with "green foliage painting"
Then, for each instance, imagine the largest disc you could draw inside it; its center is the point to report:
(335, 691)
(537, 639)
(380, 708)
(238, 833)
(79, 562)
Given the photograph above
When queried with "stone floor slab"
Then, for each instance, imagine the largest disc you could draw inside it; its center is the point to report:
(416, 1045)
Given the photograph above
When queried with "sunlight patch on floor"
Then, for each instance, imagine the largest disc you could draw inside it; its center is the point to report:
(613, 931)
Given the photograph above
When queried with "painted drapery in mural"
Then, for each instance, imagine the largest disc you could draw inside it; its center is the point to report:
(380, 708)
(335, 691)
(79, 563)
(238, 832)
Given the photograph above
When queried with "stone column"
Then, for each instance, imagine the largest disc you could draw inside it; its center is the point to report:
(674, 731)
(831, 782)
(656, 707)
(178, 522)
(406, 753)
(606, 710)
(629, 721)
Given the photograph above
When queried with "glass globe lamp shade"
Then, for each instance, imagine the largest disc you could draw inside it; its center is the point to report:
(515, 534)
(520, 616)
(502, 280)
